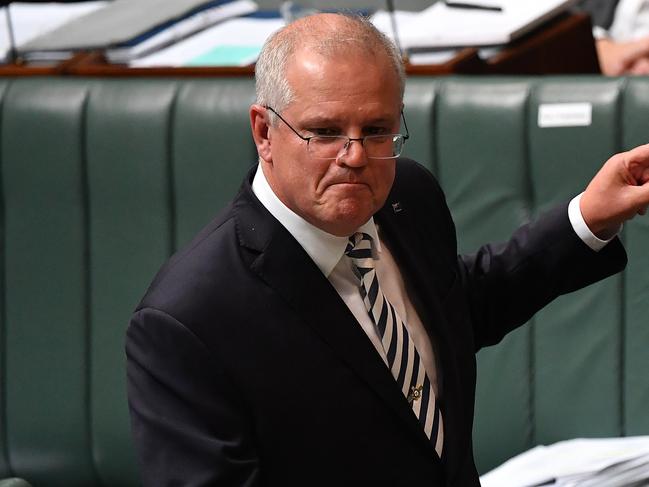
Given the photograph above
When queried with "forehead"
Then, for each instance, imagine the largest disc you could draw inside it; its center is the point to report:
(353, 80)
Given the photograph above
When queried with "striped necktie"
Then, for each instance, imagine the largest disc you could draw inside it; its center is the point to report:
(403, 359)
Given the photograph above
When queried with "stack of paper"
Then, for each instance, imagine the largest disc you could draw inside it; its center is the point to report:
(133, 27)
(235, 42)
(180, 30)
(607, 462)
(445, 26)
(30, 20)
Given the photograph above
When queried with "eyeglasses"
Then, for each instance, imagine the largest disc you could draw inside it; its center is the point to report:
(384, 146)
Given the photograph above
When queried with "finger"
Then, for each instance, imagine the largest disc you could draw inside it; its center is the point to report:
(639, 198)
(639, 173)
(644, 177)
(637, 163)
(640, 67)
(635, 50)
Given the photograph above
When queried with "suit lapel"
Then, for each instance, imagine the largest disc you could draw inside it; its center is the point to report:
(284, 265)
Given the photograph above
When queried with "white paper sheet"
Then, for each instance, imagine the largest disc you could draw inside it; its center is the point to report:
(442, 26)
(573, 461)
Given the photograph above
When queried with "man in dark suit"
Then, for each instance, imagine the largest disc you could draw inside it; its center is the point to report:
(322, 331)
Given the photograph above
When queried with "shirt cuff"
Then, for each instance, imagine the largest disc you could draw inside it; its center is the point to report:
(582, 230)
(600, 33)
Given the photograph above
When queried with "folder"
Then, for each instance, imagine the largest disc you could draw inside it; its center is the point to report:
(121, 23)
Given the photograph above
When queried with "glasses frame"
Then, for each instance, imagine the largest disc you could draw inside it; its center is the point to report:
(405, 136)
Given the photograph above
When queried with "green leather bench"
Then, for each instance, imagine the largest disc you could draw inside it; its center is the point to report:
(102, 179)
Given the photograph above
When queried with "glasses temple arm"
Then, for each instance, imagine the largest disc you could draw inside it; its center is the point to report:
(405, 125)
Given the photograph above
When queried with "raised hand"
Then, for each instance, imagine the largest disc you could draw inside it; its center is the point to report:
(618, 192)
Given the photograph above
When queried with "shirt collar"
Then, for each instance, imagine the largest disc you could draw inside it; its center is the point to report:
(324, 248)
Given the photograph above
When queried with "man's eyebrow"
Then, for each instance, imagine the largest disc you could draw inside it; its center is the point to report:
(319, 120)
(323, 120)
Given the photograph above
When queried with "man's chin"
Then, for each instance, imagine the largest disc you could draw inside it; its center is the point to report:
(348, 217)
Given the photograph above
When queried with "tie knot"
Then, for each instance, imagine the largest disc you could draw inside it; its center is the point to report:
(359, 246)
(359, 250)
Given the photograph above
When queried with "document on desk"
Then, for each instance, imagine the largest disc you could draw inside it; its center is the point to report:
(610, 462)
(129, 24)
(180, 30)
(458, 23)
(234, 42)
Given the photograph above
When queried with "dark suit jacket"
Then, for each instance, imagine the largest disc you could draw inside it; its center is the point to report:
(246, 368)
(602, 12)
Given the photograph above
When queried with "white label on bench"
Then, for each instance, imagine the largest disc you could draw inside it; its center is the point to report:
(565, 115)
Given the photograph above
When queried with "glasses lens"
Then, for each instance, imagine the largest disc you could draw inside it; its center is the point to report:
(327, 146)
(383, 146)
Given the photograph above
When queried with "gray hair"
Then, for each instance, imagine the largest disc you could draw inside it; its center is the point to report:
(328, 35)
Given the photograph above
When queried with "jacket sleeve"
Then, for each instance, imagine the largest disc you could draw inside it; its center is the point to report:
(502, 285)
(190, 426)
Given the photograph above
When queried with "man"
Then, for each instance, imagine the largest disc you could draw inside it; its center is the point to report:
(621, 30)
(322, 330)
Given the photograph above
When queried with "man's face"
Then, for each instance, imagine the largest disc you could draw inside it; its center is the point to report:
(353, 95)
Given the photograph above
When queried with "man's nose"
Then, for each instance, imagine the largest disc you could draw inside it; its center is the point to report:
(353, 153)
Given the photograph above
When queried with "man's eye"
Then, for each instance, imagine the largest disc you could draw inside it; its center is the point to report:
(376, 131)
(324, 131)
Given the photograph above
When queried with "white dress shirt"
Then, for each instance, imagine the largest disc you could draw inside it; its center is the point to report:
(630, 22)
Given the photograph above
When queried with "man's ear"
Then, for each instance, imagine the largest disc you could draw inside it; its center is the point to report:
(259, 126)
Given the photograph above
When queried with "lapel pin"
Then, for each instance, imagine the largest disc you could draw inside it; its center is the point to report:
(396, 207)
(415, 393)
